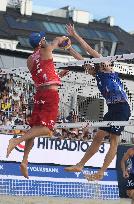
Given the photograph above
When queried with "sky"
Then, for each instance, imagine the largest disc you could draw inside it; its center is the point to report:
(121, 10)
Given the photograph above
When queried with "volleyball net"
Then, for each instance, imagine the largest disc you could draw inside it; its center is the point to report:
(47, 178)
(88, 124)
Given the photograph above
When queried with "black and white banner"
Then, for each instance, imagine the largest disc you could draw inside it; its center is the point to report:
(55, 151)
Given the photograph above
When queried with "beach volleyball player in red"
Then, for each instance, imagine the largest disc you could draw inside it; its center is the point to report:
(46, 99)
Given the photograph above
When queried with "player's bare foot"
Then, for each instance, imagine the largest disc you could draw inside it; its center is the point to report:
(75, 168)
(12, 144)
(94, 177)
(24, 170)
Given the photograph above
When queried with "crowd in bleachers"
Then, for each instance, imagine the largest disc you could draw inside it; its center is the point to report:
(75, 134)
(16, 102)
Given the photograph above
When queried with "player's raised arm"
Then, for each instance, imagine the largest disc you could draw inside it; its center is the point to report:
(104, 67)
(71, 31)
(75, 54)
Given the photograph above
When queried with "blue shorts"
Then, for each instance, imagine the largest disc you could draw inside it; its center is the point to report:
(116, 112)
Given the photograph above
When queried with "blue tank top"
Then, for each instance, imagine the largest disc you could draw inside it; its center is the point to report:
(111, 88)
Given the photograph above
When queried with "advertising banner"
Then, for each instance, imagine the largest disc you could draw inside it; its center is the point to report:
(53, 171)
(55, 151)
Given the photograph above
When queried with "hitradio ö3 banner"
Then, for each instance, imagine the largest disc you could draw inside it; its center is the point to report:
(55, 151)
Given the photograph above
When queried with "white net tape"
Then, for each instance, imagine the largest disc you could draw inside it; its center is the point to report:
(74, 125)
(119, 66)
(97, 60)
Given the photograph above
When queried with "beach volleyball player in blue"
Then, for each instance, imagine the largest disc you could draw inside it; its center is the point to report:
(111, 88)
(128, 173)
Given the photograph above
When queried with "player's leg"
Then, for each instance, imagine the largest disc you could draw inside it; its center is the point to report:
(23, 166)
(114, 139)
(94, 147)
(46, 114)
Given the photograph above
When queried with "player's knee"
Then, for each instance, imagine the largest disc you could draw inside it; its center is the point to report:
(99, 136)
(98, 139)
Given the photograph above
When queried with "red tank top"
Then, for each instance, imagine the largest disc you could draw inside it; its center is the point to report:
(43, 71)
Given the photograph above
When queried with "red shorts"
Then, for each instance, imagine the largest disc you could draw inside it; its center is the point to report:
(45, 108)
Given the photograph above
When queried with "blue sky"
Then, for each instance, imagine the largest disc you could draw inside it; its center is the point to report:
(121, 10)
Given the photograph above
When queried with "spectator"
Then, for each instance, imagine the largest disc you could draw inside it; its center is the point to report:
(74, 134)
(64, 134)
(9, 121)
(15, 96)
(69, 118)
(58, 133)
(80, 134)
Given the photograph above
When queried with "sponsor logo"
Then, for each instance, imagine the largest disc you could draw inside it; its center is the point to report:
(1, 167)
(77, 174)
(19, 147)
(94, 172)
(58, 144)
(130, 183)
(43, 169)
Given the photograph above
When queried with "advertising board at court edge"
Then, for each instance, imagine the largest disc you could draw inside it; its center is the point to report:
(55, 151)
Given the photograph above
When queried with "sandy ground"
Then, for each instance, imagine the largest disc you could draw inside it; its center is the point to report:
(48, 200)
